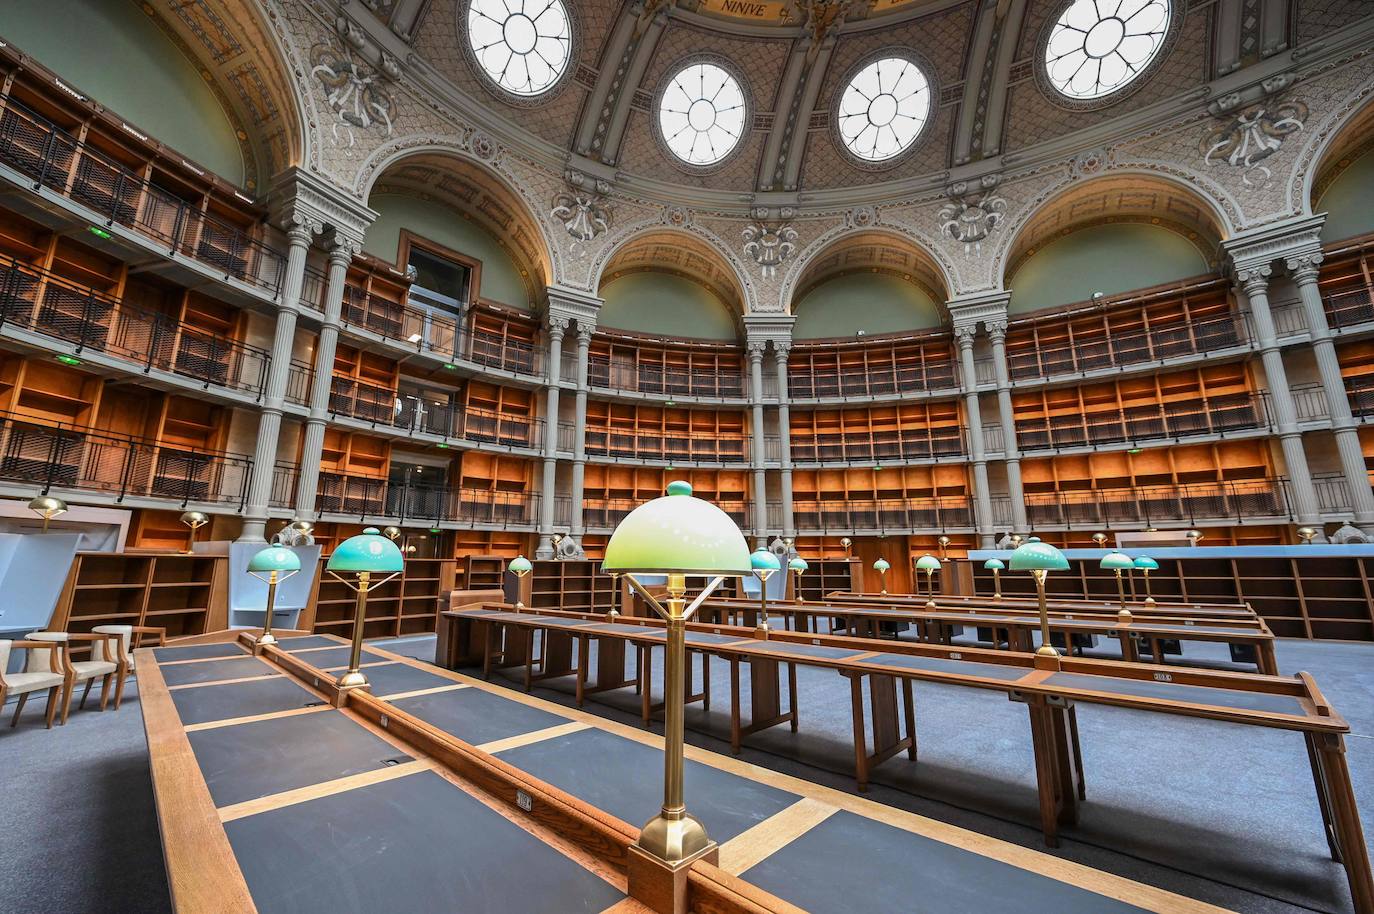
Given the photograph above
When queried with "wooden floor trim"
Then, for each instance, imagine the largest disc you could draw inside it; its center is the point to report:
(537, 736)
(773, 834)
(167, 663)
(220, 682)
(327, 789)
(254, 718)
(451, 687)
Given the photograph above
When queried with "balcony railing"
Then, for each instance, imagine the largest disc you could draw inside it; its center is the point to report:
(1360, 391)
(1128, 348)
(383, 499)
(895, 514)
(723, 384)
(50, 157)
(914, 444)
(1194, 503)
(607, 513)
(383, 406)
(1214, 416)
(804, 382)
(1346, 309)
(686, 448)
(44, 303)
(75, 458)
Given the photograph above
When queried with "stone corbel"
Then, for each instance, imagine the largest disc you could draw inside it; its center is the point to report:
(1249, 95)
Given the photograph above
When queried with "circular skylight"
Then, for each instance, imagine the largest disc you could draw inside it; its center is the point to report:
(883, 109)
(1098, 46)
(522, 45)
(701, 114)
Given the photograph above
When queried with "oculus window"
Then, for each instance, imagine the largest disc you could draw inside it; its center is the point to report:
(883, 109)
(701, 114)
(523, 46)
(1098, 47)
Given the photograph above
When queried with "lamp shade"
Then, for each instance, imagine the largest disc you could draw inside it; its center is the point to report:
(928, 563)
(994, 565)
(368, 551)
(1145, 563)
(1038, 556)
(1118, 561)
(881, 565)
(763, 560)
(274, 558)
(520, 565)
(48, 506)
(798, 564)
(677, 534)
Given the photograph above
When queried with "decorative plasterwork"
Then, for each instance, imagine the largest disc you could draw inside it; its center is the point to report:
(769, 244)
(680, 254)
(973, 213)
(354, 91)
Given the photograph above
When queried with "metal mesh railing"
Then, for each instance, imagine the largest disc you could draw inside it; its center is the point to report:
(1192, 502)
(1204, 416)
(368, 498)
(883, 514)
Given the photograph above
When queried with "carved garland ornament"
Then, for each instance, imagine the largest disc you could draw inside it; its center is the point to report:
(352, 92)
(769, 246)
(1253, 135)
(972, 214)
(582, 210)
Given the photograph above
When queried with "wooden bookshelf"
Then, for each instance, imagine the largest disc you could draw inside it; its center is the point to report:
(185, 594)
(612, 491)
(575, 585)
(496, 414)
(908, 431)
(856, 498)
(495, 488)
(627, 361)
(501, 338)
(363, 385)
(374, 297)
(1347, 282)
(875, 366)
(48, 392)
(676, 434)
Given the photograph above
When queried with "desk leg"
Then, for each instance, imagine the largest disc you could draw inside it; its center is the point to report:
(639, 669)
(1330, 753)
(1066, 763)
(734, 706)
(705, 680)
(1077, 752)
(1128, 651)
(529, 657)
(909, 703)
(1047, 779)
(1323, 795)
(1269, 661)
(1157, 650)
(487, 649)
(856, 697)
(583, 649)
(646, 703)
(792, 694)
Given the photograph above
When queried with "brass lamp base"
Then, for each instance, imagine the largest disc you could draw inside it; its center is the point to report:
(1046, 657)
(674, 840)
(761, 631)
(267, 638)
(1149, 601)
(352, 680)
(659, 885)
(1124, 617)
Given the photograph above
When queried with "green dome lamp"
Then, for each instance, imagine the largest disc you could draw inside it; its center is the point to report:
(882, 567)
(1119, 562)
(765, 564)
(798, 567)
(272, 566)
(520, 567)
(676, 535)
(1040, 559)
(995, 566)
(929, 564)
(362, 556)
(1146, 565)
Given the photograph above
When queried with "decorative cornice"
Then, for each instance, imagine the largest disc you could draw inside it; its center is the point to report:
(303, 198)
(566, 305)
(968, 311)
(1262, 246)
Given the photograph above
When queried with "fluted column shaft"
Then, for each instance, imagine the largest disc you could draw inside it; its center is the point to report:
(298, 238)
(997, 334)
(1254, 282)
(756, 448)
(982, 498)
(557, 327)
(340, 256)
(780, 350)
(579, 473)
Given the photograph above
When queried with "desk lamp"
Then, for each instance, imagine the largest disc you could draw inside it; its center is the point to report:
(677, 535)
(995, 566)
(1040, 559)
(944, 545)
(615, 598)
(764, 563)
(798, 567)
(1308, 534)
(519, 566)
(195, 520)
(1119, 562)
(1100, 539)
(1146, 565)
(848, 545)
(47, 507)
(929, 564)
(272, 565)
(881, 566)
(1193, 536)
(362, 556)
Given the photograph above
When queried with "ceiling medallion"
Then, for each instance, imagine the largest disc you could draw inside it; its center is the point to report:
(770, 245)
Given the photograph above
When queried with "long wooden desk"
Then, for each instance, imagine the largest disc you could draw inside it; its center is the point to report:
(1137, 607)
(1050, 696)
(1248, 639)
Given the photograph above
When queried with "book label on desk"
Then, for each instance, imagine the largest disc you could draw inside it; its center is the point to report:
(1164, 677)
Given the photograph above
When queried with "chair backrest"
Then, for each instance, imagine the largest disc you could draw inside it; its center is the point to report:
(103, 650)
(5, 646)
(40, 660)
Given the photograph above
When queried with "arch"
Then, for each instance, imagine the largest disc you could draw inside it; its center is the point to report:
(885, 249)
(1125, 196)
(1344, 142)
(472, 187)
(688, 251)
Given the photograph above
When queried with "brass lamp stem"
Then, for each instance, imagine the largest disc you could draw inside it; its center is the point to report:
(47, 518)
(882, 581)
(996, 584)
(1121, 588)
(1149, 597)
(354, 676)
(267, 637)
(763, 607)
(1046, 649)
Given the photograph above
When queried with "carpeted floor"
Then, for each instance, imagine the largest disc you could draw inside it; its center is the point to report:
(1221, 813)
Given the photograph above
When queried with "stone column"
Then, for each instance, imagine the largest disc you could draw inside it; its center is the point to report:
(982, 498)
(997, 333)
(1254, 282)
(557, 327)
(298, 236)
(780, 350)
(341, 251)
(579, 475)
(756, 442)
(1304, 271)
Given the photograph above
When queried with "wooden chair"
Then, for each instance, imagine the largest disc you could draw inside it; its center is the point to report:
(44, 671)
(87, 671)
(123, 648)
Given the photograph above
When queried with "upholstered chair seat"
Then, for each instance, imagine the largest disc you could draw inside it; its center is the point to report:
(46, 673)
(104, 664)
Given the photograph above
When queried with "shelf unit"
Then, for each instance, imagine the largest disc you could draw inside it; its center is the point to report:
(495, 489)
(500, 338)
(904, 431)
(1347, 282)
(920, 497)
(374, 296)
(878, 366)
(499, 415)
(353, 472)
(183, 593)
(612, 491)
(624, 361)
(666, 433)
(421, 588)
(363, 385)
(576, 585)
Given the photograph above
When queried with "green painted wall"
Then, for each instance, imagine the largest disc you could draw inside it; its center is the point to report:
(501, 281)
(113, 52)
(871, 302)
(1349, 201)
(665, 305)
(1103, 258)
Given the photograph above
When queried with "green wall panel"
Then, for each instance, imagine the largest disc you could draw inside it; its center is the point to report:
(1349, 202)
(501, 280)
(112, 51)
(1103, 258)
(665, 305)
(871, 302)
